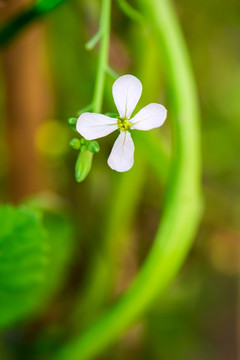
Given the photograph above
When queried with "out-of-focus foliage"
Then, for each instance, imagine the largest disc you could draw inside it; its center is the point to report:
(34, 252)
(23, 266)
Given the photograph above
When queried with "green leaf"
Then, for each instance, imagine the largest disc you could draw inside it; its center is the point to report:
(23, 262)
(61, 240)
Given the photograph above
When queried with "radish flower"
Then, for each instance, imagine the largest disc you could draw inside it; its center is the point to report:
(126, 91)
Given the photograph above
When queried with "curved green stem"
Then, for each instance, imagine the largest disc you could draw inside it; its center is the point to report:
(11, 28)
(155, 152)
(104, 30)
(183, 202)
(130, 11)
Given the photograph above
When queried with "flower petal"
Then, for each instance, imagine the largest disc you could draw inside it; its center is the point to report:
(127, 91)
(93, 126)
(149, 117)
(121, 157)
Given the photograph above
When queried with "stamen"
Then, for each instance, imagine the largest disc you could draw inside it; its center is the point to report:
(123, 124)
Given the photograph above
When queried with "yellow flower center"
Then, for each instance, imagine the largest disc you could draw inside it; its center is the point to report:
(123, 124)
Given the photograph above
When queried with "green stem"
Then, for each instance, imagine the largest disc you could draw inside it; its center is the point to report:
(104, 30)
(9, 30)
(92, 297)
(104, 269)
(130, 11)
(183, 202)
(155, 152)
(124, 199)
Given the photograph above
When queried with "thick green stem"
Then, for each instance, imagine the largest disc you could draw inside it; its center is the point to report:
(9, 30)
(103, 56)
(183, 202)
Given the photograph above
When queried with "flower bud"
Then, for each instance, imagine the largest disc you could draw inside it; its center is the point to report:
(75, 144)
(83, 165)
(72, 122)
(84, 147)
(94, 147)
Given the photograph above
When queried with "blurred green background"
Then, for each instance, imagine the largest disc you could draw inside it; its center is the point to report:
(47, 76)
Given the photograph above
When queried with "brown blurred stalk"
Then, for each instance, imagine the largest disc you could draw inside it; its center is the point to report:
(26, 105)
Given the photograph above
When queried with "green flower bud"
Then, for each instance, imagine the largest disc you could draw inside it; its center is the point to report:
(75, 144)
(94, 147)
(83, 165)
(72, 122)
(84, 147)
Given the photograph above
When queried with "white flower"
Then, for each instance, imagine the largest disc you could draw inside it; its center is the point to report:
(127, 91)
